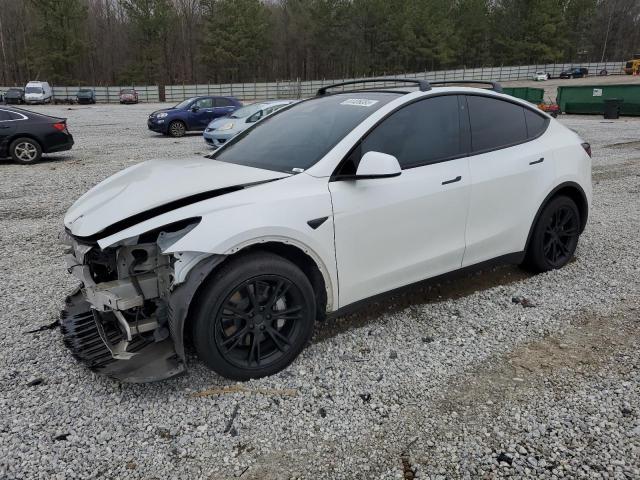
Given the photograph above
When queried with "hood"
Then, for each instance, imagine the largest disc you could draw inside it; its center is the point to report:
(34, 95)
(165, 110)
(151, 185)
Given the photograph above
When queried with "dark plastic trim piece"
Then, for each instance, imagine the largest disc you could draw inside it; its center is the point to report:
(453, 180)
(316, 222)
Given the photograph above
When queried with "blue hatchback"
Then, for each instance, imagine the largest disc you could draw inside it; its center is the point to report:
(191, 114)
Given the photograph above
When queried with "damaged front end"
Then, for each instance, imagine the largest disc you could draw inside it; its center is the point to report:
(126, 319)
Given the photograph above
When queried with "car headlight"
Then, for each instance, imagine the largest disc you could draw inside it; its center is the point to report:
(226, 126)
(162, 115)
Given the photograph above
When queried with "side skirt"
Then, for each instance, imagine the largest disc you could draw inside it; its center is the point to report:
(508, 259)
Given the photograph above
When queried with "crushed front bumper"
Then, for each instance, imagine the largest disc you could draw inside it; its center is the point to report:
(94, 337)
(127, 318)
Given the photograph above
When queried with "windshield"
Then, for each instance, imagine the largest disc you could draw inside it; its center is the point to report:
(247, 111)
(299, 136)
(184, 103)
(127, 92)
(33, 90)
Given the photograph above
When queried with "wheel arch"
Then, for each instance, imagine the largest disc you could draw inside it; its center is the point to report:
(572, 190)
(296, 253)
(16, 136)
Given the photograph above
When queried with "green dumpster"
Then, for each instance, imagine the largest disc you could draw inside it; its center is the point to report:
(530, 94)
(591, 99)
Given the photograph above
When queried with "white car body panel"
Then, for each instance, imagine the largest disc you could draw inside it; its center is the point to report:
(505, 191)
(390, 232)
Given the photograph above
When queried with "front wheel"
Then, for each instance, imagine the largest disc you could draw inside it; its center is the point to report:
(25, 150)
(555, 236)
(254, 317)
(177, 128)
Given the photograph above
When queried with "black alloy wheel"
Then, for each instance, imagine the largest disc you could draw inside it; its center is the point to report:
(255, 316)
(259, 321)
(560, 236)
(555, 236)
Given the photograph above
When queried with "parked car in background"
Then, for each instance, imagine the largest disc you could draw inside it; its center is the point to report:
(242, 252)
(192, 114)
(14, 95)
(574, 73)
(222, 129)
(541, 76)
(86, 95)
(128, 95)
(38, 92)
(25, 135)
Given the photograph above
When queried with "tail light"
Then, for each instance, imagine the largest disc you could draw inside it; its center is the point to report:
(587, 148)
(60, 126)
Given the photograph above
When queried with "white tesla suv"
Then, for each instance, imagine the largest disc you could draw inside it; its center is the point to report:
(331, 201)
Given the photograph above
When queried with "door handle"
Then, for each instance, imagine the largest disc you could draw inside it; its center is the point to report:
(540, 160)
(453, 180)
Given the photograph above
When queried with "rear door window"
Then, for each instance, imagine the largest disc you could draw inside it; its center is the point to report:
(223, 102)
(4, 116)
(424, 132)
(495, 123)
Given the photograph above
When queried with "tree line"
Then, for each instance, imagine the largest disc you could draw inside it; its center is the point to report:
(113, 42)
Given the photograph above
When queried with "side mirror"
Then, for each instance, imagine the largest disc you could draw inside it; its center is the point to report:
(377, 165)
(195, 108)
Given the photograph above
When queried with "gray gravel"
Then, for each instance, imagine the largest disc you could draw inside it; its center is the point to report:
(452, 380)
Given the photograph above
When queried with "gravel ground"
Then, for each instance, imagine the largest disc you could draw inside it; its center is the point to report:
(451, 380)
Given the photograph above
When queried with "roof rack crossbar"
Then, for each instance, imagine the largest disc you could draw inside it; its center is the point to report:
(495, 86)
(422, 84)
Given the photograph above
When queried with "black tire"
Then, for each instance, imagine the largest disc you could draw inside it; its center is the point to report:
(177, 128)
(243, 327)
(25, 150)
(555, 236)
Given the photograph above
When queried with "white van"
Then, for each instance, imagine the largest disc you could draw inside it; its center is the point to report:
(38, 92)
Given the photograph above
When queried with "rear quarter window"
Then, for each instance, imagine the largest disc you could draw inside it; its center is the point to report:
(495, 123)
(536, 124)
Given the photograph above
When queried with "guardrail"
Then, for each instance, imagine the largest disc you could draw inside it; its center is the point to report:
(300, 89)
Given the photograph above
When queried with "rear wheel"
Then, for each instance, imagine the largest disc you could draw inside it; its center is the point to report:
(255, 316)
(25, 150)
(555, 236)
(177, 128)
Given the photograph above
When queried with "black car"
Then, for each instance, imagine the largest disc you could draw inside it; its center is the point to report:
(86, 95)
(574, 73)
(14, 95)
(25, 135)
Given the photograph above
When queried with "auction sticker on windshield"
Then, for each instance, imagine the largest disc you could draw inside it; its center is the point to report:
(359, 102)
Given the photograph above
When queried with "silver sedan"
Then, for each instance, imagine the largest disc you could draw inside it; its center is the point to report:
(222, 129)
